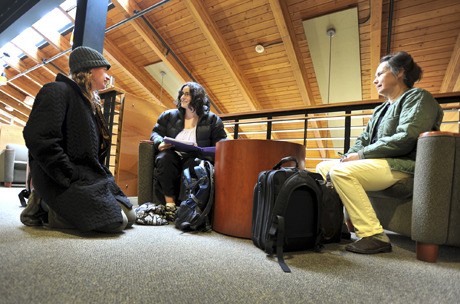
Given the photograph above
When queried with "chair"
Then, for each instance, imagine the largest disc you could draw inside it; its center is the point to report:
(146, 190)
(145, 185)
(13, 165)
(427, 206)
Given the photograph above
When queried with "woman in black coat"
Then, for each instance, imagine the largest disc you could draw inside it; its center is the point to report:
(68, 140)
(192, 121)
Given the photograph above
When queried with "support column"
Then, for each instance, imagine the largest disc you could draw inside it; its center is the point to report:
(90, 21)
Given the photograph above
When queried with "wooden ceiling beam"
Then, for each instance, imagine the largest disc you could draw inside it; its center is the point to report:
(54, 38)
(22, 112)
(24, 84)
(13, 92)
(375, 43)
(34, 53)
(210, 31)
(19, 66)
(139, 75)
(451, 78)
(281, 14)
(127, 8)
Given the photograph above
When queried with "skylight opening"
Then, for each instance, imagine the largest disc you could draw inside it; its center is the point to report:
(54, 20)
(14, 54)
(28, 36)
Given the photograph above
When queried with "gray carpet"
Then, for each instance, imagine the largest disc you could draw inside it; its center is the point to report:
(149, 264)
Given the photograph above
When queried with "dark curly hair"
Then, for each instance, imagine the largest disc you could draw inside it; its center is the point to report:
(199, 102)
(402, 60)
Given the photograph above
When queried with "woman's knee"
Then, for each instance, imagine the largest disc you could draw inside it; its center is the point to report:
(167, 157)
(324, 167)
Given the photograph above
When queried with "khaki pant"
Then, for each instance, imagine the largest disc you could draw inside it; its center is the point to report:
(351, 180)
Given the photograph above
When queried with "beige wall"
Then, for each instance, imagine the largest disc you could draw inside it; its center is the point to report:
(10, 134)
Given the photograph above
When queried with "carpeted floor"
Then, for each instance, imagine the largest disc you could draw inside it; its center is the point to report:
(149, 264)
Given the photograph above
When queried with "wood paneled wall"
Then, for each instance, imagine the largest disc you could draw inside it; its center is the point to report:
(137, 120)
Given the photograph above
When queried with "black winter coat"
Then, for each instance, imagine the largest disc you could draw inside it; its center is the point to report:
(209, 129)
(64, 141)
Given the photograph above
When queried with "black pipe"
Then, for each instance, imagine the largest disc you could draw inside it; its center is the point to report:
(136, 15)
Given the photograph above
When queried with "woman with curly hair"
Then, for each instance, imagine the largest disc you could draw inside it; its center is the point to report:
(192, 121)
(68, 140)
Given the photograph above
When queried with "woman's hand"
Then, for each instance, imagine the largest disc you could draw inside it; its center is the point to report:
(350, 157)
(164, 146)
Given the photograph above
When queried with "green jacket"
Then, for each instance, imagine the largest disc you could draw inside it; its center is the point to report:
(415, 112)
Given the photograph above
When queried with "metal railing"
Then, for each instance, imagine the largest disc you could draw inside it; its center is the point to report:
(324, 130)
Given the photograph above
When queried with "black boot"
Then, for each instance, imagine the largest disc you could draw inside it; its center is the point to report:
(34, 214)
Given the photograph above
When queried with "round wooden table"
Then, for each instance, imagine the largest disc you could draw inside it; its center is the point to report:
(237, 167)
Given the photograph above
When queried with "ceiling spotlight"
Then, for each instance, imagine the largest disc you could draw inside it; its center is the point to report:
(260, 48)
(9, 108)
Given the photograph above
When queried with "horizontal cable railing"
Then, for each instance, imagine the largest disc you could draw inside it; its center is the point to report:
(324, 130)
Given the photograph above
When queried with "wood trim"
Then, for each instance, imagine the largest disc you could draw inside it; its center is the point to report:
(439, 133)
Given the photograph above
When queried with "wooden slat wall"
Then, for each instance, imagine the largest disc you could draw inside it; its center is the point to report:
(138, 119)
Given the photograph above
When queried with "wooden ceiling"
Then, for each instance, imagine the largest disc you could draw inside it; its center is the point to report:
(213, 42)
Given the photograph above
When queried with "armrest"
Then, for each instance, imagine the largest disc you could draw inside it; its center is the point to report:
(7, 165)
(433, 181)
(145, 171)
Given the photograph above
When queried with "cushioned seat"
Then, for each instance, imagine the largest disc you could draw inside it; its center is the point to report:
(426, 207)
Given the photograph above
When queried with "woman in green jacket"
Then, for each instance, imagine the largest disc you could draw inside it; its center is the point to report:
(385, 152)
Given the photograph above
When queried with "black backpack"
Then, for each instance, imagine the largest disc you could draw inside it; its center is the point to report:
(194, 211)
(286, 211)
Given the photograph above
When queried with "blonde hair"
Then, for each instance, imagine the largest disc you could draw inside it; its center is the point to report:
(83, 79)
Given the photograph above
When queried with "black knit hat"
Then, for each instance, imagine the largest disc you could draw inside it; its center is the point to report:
(85, 58)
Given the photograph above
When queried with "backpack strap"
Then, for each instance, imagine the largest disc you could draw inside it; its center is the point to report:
(280, 243)
(206, 170)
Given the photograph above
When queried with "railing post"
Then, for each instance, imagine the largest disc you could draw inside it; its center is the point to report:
(347, 135)
(305, 129)
(269, 128)
(235, 132)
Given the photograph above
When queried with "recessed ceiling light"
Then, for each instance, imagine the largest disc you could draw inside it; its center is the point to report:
(9, 108)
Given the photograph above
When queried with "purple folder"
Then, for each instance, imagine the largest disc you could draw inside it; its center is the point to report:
(185, 146)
